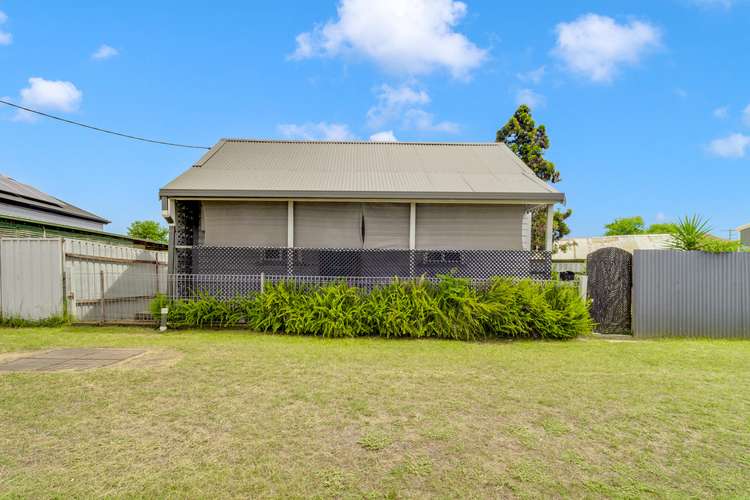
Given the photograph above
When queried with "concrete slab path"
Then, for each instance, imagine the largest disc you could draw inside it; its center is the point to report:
(69, 359)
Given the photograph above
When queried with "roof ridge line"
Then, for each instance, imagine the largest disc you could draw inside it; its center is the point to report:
(402, 143)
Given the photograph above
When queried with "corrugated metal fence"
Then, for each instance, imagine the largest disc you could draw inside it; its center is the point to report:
(98, 282)
(693, 294)
(31, 278)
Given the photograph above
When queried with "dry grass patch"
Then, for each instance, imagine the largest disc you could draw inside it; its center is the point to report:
(241, 414)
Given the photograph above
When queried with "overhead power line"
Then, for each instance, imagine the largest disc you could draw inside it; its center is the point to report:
(98, 129)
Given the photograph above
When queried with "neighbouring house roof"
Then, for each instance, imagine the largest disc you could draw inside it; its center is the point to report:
(381, 170)
(744, 227)
(18, 227)
(16, 193)
(579, 248)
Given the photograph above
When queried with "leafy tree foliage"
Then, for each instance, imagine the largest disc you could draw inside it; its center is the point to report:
(635, 225)
(625, 225)
(559, 227)
(530, 143)
(662, 228)
(148, 230)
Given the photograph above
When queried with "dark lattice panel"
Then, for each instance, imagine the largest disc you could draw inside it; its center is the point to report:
(477, 264)
(482, 264)
(183, 260)
(187, 222)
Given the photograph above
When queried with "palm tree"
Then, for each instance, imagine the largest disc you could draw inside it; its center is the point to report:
(690, 233)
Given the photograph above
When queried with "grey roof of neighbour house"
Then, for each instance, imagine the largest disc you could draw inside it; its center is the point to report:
(379, 170)
(16, 193)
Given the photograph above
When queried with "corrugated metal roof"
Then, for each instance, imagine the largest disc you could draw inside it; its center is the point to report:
(579, 248)
(20, 227)
(265, 168)
(12, 191)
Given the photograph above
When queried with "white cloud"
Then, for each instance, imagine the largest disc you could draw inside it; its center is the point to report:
(404, 105)
(49, 95)
(392, 101)
(661, 217)
(534, 76)
(104, 52)
(421, 120)
(403, 36)
(530, 98)
(5, 37)
(317, 131)
(597, 46)
(681, 93)
(722, 113)
(746, 115)
(723, 4)
(384, 136)
(731, 146)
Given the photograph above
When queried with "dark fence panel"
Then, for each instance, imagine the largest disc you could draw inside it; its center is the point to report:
(476, 264)
(610, 280)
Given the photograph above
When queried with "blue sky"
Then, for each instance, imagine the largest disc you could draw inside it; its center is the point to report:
(647, 103)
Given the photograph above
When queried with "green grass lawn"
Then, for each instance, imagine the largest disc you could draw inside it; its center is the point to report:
(210, 414)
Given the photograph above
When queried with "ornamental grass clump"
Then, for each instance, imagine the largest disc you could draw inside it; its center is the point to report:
(451, 308)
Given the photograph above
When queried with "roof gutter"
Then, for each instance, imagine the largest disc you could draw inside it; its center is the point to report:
(551, 197)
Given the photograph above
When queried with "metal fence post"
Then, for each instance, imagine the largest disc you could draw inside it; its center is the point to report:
(262, 282)
(102, 311)
(68, 293)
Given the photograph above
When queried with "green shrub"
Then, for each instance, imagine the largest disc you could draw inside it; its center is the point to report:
(451, 308)
(156, 305)
(712, 245)
(405, 309)
(15, 322)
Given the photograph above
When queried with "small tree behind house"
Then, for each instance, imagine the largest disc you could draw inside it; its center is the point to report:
(530, 143)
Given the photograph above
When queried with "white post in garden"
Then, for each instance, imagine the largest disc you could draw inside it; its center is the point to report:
(550, 218)
(583, 284)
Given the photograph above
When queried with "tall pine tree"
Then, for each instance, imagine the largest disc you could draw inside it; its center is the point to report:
(530, 143)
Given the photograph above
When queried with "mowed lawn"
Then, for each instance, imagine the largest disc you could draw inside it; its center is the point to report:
(211, 413)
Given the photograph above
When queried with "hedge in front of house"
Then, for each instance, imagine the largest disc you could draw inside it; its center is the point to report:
(451, 308)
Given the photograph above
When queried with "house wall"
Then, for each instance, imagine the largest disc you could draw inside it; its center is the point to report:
(448, 226)
(470, 227)
(231, 223)
(745, 236)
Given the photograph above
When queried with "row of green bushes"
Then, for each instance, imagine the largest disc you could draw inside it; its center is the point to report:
(451, 308)
(16, 322)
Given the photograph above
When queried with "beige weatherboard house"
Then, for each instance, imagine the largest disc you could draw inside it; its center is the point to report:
(429, 204)
(744, 232)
